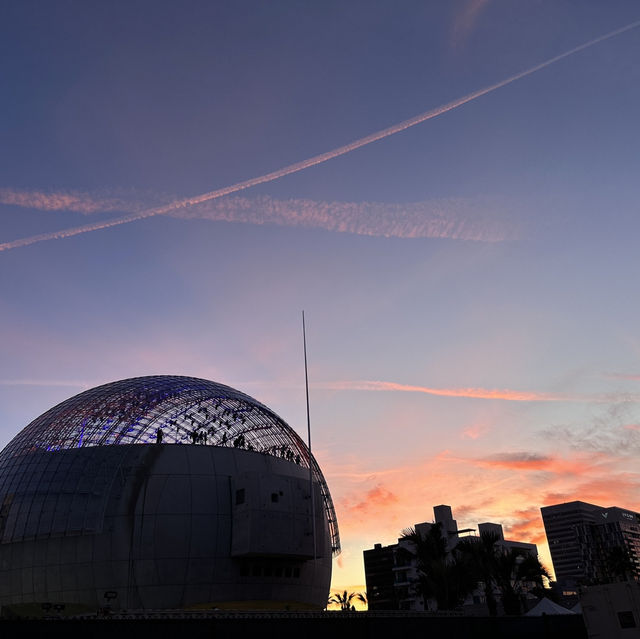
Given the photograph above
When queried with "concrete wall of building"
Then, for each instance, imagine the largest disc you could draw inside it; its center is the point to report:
(157, 527)
(612, 610)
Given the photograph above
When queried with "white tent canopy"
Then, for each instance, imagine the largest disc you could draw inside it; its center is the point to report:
(547, 607)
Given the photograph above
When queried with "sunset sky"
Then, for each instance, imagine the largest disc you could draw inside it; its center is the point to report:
(470, 283)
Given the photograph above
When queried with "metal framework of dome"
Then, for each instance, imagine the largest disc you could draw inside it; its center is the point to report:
(175, 410)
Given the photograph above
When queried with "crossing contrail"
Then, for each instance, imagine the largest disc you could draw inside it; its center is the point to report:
(312, 161)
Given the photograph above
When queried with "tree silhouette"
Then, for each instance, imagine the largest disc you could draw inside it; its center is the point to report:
(442, 575)
(481, 552)
(345, 599)
(514, 568)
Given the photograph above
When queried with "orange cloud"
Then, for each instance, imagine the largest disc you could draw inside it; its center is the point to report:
(619, 489)
(534, 461)
(503, 394)
(507, 488)
(374, 499)
(475, 431)
(613, 489)
(473, 393)
(517, 461)
(526, 525)
(529, 531)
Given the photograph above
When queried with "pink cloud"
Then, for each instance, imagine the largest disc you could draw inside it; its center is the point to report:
(475, 431)
(454, 218)
(530, 531)
(76, 201)
(483, 220)
(473, 393)
(476, 393)
(373, 500)
(575, 465)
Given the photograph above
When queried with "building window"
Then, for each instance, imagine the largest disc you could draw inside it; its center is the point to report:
(239, 496)
(626, 619)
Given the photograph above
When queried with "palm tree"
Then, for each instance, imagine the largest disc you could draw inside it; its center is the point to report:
(507, 569)
(344, 600)
(514, 568)
(481, 552)
(442, 575)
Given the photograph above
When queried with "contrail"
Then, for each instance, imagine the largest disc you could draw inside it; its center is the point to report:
(312, 161)
(479, 219)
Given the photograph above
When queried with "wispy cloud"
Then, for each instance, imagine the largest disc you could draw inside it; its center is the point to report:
(504, 394)
(475, 431)
(465, 21)
(54, 383)
(582, 436)
(471, 393)
(315, 160)
(526, 525)
(517, 460)
(635, 377)
(529, 461)
(374, 499)
(76, 201)
(613, 430)
(481, 219)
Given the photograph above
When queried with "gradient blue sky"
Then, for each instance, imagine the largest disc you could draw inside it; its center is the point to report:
(470, 283)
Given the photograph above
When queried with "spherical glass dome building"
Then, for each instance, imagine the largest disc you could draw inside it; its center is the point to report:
(163, 492)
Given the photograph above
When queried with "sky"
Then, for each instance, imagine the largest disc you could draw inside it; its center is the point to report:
(468, 281)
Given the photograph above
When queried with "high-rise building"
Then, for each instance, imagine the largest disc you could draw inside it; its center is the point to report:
(592, 544)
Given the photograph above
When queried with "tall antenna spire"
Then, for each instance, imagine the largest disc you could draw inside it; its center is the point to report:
(306, 386)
